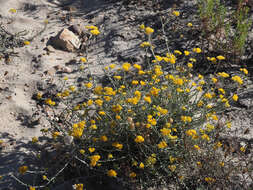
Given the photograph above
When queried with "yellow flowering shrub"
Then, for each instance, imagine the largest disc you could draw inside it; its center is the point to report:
(151, 123)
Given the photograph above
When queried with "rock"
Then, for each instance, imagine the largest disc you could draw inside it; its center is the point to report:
(50, 49)
(66, 70)
(66, 40)
(76, 29)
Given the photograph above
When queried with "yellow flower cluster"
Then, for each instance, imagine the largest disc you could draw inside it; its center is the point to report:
(94, 159)
(93, 30)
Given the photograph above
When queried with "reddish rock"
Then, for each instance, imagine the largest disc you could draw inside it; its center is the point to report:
(66, 40)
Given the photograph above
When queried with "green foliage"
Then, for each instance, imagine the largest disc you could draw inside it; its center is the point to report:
(228, 28)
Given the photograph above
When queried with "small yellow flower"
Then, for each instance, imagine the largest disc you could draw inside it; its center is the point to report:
(162, 145)
(95, 32)
(83, 59)
(235, 97)
(94, 159)
(78, 186)
(12, 10)
(117, 145)
(220, 57)
(196, 147)
(172, 167)
(214, 80)
(176, 13)
(139, 139)
(237, 79)
(66, 78)
(141, 165)
(31, 188)
(147, 99)
(39, 95)
(23, 169)
(222, 164)
(126, 66)
(189, 65)
(44, 177)
(91, 149)
(88, 85)
(244, 70)
(91, 27)
(149, 30)
(117, 77)
(142, 26)
(242, 149)
(209, 179)
(132, 175)
(145, 44)
(135, 82)
(55, 134)
(110, 156)
(178, 52)
(186, 53)
(189, 24)
(197, 50)
(35, 139)
(26, 42)
(112, 173)
(199, 164)
(223, 74)
(82, 151)
(104, 138)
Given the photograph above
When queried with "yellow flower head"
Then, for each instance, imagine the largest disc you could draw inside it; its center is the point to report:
(162, 145)
(117, 145)
(132, 175)
(186, 53)
(244, 70)
(78, 186)
(26, 42)
(189, 24)
(176, 13)
(23, 169)
(220, 57)
(197, 50)
(235, 97)
(237, 79)
(142, 26)
(112, 173)
(223, 74)
(83, 59)
(95, 32)
(145, 44)
(12, 10)
(126, 66)
(149, 30)
(91, 150)
(139, 139)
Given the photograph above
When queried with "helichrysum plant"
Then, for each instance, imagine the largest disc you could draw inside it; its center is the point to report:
(152, 124)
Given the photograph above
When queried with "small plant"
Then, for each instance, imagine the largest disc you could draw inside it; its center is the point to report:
(224, 29)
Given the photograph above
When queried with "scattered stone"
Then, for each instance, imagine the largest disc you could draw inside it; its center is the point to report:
(50, 49)
(66, 70)
(66, 40)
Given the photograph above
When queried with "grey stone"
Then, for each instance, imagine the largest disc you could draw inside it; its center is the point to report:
(66, 40)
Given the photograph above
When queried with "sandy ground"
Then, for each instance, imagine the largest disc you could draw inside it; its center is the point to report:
(27, 71)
